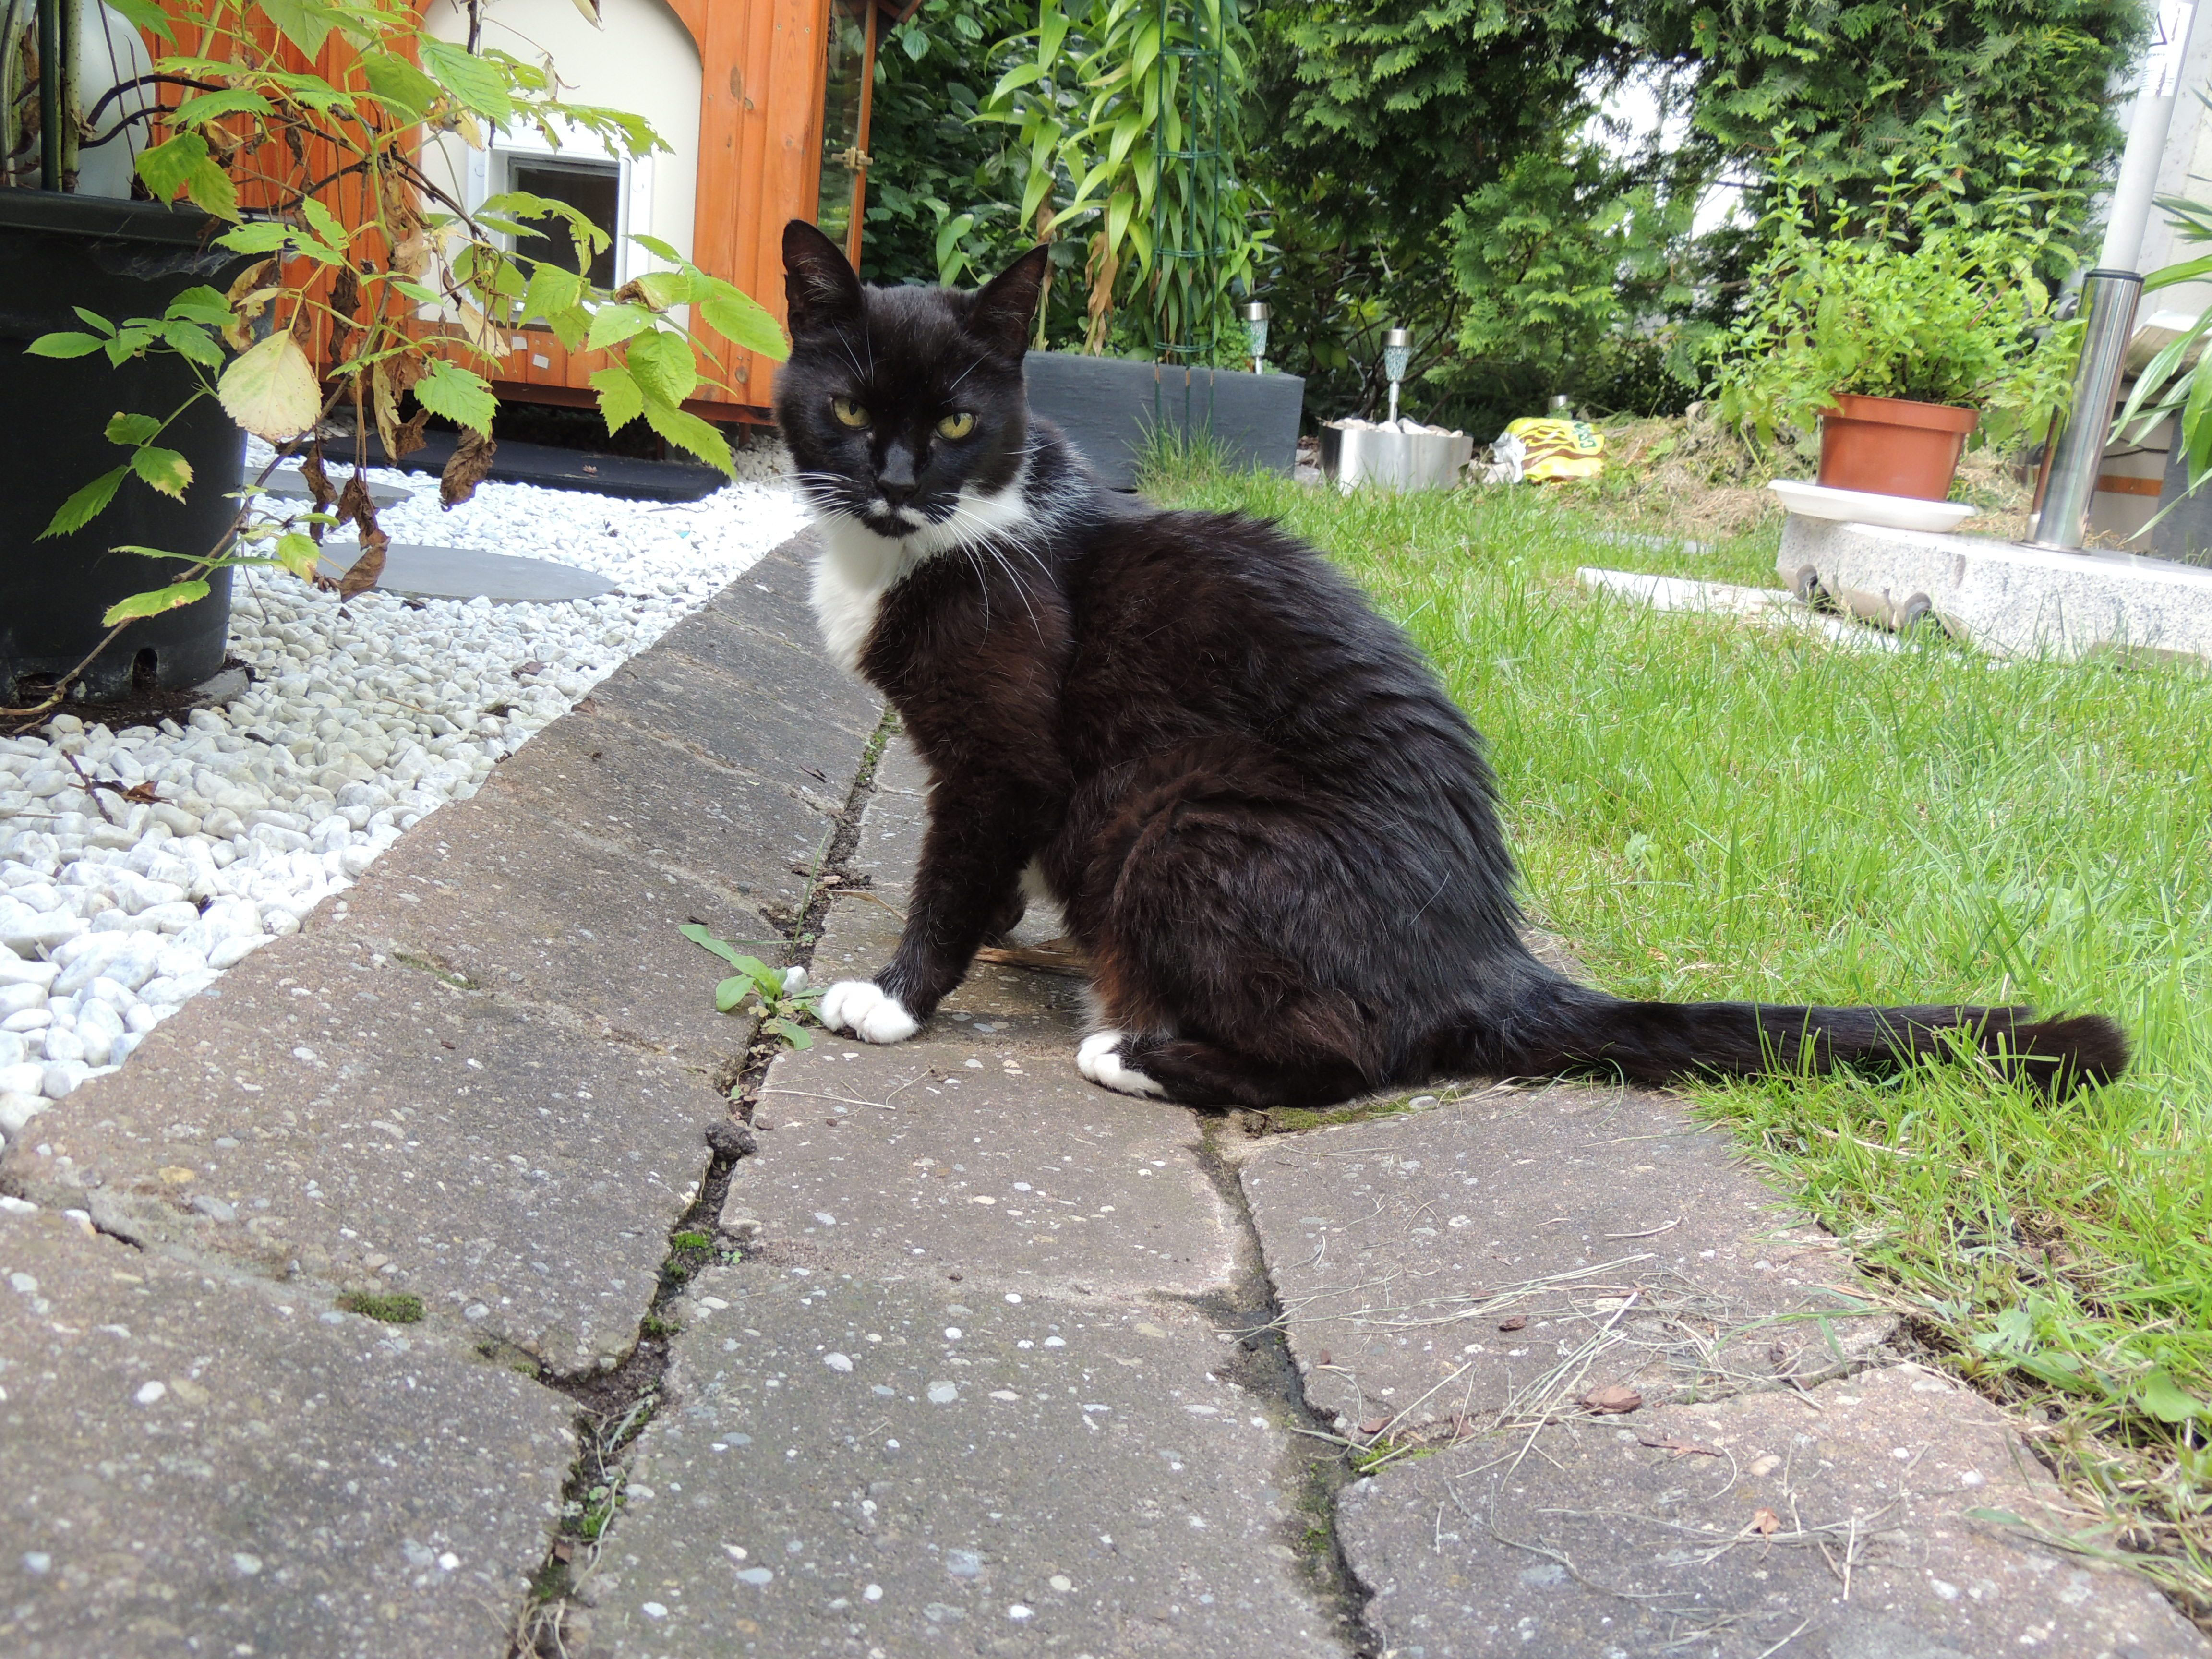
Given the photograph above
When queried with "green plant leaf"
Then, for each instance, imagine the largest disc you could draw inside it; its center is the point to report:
(620, 401)
(550, 291)
(732, 994)
(198, 304)
(613, 324)
(270, 389)
(154, 602)
(164, 469)
(476, 81)
(304, 23)
(325, 223)
(131, 428)
(66, 345)
(459, 394)
(397, 83)
(146, 17)
(82, 508)
(744, 321)
(2159, 1394)
(298, 554)
(166, 167)
(205, 106)
(791, 1032)
(658, 249)
(704, 938)
(689, 433)
(661, 364)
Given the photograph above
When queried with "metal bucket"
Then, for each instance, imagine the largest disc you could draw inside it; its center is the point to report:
(1400, 460)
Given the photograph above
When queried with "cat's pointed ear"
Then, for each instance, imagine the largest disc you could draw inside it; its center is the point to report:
(818, 285)
(1006, 306)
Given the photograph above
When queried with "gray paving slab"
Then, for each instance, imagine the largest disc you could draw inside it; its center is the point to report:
(1401, 1244)
(562, 918)
(468, 573)
(1837, 1525)
(368, 1125)
(981, 1158)
(205, 1467)
(749, 834)
(287, 482)
(849, 1466)
(745, 722)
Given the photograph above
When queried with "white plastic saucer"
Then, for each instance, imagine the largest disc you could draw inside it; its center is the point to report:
(1814, 500)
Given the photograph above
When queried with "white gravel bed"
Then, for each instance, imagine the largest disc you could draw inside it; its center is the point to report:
(360, 719)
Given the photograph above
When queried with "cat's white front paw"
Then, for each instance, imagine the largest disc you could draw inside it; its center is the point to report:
(860, 1006)
(1099, 1059)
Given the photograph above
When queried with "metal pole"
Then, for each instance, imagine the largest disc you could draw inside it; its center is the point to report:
(53, 59)
(2109, 297)
(2110, 292)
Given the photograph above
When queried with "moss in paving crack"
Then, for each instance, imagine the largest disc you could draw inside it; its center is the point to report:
(392, 1307)
(690, 1239)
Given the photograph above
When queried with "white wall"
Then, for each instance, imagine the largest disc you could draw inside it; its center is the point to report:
(2185, 170)
(643, 61)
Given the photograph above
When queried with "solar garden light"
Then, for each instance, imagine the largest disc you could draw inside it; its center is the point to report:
(1255, 329)
(1397, 354)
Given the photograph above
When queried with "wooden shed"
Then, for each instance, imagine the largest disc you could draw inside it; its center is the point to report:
(765, 105)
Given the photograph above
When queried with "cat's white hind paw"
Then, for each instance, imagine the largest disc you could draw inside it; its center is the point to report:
(861, 1006)
(1099, 1059)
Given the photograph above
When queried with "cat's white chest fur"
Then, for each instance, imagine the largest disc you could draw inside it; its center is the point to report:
(858, 567)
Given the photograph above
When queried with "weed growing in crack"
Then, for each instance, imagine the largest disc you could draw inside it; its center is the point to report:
(780, 994)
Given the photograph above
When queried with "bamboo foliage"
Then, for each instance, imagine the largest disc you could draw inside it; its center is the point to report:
(1100, 106)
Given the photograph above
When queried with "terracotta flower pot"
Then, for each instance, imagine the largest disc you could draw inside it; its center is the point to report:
(1892, 446)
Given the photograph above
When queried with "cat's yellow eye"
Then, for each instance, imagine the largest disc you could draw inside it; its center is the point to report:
(847, 412)
(957, 426)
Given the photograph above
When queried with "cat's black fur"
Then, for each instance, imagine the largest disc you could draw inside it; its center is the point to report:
(1265, 822)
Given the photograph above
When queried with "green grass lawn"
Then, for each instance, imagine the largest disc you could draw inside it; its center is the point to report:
(1705, 809)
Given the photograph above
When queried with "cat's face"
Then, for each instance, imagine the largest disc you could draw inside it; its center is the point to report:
(904, 406)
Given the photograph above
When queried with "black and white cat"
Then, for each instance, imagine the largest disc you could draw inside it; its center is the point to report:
(1259, 814)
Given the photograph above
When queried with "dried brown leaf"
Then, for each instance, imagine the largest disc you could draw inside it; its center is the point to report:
(345, 300)
(389, 381)
(354, 505)
(1611, 1399)
(1374, 1426)
(1765, 1522)
(470, 465)
(368, 568)
(313, 475)
(1517, 1322)
(409, 437)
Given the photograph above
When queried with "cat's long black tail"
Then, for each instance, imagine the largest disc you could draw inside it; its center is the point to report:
(1560, 1026)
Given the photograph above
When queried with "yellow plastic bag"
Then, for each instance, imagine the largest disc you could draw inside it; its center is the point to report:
(1553, 450)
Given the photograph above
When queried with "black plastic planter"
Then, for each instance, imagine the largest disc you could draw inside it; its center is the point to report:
(120, 259)
(1110, 406)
